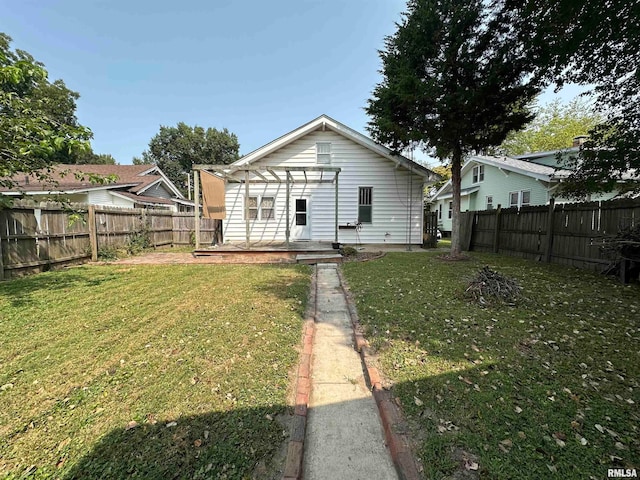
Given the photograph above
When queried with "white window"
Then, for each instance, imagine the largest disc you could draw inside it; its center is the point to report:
(478, 174)
(450, 209)
(489, 202)
(323, 153)
(519, 199)
(261, 208)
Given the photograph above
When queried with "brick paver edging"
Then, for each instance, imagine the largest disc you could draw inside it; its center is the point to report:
(393, 423)
(295, 450)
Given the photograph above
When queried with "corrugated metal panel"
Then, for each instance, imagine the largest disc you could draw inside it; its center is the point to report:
(360, 167)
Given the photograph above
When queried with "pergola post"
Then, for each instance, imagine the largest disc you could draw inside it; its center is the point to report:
(196, 199)
(287, 232)
(247, 226)
(336, 216)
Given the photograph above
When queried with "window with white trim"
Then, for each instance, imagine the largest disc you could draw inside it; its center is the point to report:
(323, 153)
(489, 202)
(261, 208)
(450, 209)
(440, 212)
(520, 199)
(478, 174)
(365, 201)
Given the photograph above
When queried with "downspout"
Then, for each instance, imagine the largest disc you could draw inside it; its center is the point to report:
(410, 199)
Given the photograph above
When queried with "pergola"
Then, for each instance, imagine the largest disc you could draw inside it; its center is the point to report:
(266, 174)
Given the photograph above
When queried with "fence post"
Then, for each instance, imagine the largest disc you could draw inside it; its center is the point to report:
(1, 262)
(93, 233)
(496, 230)
(550, 224)
(196, 201)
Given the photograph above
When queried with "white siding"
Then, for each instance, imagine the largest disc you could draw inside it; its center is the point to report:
(100, 197)
(360, 167)
(158, 190)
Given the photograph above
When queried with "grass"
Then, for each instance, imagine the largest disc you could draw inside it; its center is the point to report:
(147, 372)
(546, 389)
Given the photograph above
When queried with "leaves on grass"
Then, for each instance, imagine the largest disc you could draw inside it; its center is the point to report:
(489, 287)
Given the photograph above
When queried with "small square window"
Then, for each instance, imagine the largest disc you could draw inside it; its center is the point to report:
(266, 208)
(513, 199)
(489, 202)
(323, 153)
(526, 197)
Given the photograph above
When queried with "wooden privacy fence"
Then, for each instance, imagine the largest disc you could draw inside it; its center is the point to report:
(569, 234)
(36, 237)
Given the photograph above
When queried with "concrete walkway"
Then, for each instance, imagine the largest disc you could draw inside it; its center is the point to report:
(344, 434)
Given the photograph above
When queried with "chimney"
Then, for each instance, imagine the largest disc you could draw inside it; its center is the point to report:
(579, 140)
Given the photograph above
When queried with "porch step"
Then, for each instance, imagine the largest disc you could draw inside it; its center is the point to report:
(312, 259)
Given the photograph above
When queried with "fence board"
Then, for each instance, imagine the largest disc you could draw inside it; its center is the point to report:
(577, 231)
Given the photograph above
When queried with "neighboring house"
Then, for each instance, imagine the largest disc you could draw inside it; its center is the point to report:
(135, 186)
(323, 182)
(487, 182)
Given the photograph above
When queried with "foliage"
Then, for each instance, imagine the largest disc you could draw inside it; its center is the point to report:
(91, 158)
(140, 239)
(549, 388)
(124, 371)
(176, 149)
(454, 80)
(445, 173)
(38, 127)
(593, 43)
(553, 128)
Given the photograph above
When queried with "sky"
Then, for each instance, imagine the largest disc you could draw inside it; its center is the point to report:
(258, 68)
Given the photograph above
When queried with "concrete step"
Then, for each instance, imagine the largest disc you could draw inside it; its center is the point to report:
(313, 259)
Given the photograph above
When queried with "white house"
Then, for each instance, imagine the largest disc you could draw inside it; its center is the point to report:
(130, 186)
(326, 182)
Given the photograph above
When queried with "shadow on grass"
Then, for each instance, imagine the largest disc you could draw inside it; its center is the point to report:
(232, 444)
(21, 289)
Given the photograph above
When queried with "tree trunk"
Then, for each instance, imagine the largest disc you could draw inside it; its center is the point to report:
(456, 167)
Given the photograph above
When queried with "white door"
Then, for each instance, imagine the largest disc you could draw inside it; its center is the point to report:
(301, 229)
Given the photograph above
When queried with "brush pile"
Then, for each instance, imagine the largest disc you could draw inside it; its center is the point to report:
(492, 288)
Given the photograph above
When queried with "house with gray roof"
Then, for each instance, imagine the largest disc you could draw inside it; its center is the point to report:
(489, 181)
(127, 186)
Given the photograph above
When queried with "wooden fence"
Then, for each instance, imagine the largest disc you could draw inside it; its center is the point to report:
(38, 236)
(569, 234)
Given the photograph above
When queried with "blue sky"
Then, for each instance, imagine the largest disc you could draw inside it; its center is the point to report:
(258, 68)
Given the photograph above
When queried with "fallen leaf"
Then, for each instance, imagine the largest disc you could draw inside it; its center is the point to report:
(518, 410)
(131, 424)
(599, 428)
(197, 443)
(552, 468)
(172, 424)
(417, 401)
(465, 380)
(469, 465)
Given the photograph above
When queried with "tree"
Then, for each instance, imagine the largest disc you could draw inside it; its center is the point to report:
(91, 158)
(455, 80)
(592, 43)
(38, 127)
(176, 149)
(554, 127)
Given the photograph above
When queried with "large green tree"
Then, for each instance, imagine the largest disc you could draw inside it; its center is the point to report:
(592, 43)
(38, 127)
(555, 126)
(176, 149)
(455, 80)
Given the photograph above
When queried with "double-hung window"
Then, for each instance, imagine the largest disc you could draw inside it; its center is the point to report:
(261, 207)
(478, 174)
(450, 209)
(365, 201)
(323, 153)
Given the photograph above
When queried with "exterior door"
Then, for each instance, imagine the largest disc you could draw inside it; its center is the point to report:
(301, 229)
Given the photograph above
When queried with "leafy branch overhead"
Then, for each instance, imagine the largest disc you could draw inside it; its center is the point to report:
(38, 127)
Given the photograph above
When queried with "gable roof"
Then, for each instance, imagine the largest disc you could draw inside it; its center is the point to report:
(529, 169)
(325, 122)
(64, 179)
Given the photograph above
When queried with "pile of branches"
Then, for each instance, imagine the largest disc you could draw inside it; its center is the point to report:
(625, 245)
(490, 288)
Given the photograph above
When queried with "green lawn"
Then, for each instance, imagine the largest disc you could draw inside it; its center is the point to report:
(546, 389)
(147, 372)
